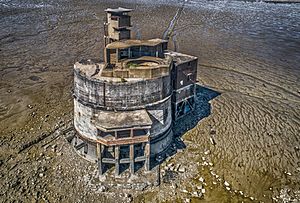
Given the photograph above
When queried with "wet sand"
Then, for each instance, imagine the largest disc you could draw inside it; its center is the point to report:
(253, 118)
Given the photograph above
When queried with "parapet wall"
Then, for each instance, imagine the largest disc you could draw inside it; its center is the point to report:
(121, 95)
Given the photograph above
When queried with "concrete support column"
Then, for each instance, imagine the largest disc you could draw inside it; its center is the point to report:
(117, 55)
(85, 148)
(131, 157)
(147, 154)
(99, 155)
(117, 160)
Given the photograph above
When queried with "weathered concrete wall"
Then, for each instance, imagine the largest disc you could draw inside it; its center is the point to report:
(161, 143)
(161, 116)
(82, 120)
(129, 95)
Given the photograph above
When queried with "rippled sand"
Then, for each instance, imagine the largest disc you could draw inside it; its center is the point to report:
(249, 59)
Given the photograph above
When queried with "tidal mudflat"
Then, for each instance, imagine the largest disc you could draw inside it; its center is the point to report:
(242, 143)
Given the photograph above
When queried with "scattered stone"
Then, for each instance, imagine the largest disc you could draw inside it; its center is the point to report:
(252, 198)
(212, 141)
(201, 179)
(181, 169)
(207, 152)
(41, 175)
(214, 183)
(241, 193)
(185, 191)
(226, 184)
(29, 106)
(228, 188)
(187, 200)
(203, 191)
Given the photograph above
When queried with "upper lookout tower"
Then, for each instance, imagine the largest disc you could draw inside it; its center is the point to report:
(117, 25)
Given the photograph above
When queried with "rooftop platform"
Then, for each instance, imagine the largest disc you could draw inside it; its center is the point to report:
(118, 10)
(110, 120)
(180, 58)
(141, 68)
(129, 43)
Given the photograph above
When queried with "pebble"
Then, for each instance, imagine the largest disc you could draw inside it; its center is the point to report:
(207, 152)
(187, 200)
(226, 184)
(199, 187)
(181, 169)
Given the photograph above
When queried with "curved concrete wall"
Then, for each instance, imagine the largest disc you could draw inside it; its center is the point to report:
(82, 120)
(129, 95)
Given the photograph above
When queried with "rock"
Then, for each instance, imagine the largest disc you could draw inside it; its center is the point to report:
(187, 200)
(214, 183)
(212, 141)
(41, 175)
(185, 191)
(252, 198)
(199, 187)
(181, 169)
(241, 193)
(203, 191)
(207, 152)
(29, 106)
(211, 164)
(201, 179)
(228, 188)
(226, 184)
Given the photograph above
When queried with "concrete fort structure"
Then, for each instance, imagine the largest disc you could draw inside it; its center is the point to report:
(125, 107)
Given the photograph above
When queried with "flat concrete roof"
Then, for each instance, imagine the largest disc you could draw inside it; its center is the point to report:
(109, 120)
(133, 42)
(118, 10)
(179, 57)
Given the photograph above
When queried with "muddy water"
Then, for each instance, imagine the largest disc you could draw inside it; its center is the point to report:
(249, 55)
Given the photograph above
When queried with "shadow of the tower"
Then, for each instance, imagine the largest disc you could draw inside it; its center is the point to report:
(189, 121)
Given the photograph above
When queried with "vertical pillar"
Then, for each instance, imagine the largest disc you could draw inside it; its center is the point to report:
(117, 55)
(129, 53)
(117, 160)
(131, 132)
(85, 148)
(99, 156)
(131, 157)
(147, 155)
